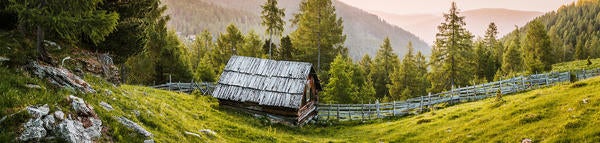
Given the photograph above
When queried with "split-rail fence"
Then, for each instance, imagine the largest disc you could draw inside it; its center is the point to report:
(347, 112)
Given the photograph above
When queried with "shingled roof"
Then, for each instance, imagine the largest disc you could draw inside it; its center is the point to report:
(266, 82)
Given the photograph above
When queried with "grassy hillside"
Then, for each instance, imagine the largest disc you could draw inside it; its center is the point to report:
(555, 114)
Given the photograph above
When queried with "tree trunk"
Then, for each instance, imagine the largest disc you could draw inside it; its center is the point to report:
(43, 53)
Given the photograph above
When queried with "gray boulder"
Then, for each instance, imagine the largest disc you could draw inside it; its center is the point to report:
(38, 112)
(132, 125)
(60, 76)
(49, 122)
(81, 107)
(149, 141)
(192, 134)
(34, 130)
(72, 132)
(208, 132)
(106, 106)
(59, 115)
(94, 131)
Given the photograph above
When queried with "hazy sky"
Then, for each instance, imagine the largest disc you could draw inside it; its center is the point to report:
(439, 6)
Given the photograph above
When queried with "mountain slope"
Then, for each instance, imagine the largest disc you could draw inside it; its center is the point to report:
(425, 25)
(574, 25)
(564, 113)
(365, 32)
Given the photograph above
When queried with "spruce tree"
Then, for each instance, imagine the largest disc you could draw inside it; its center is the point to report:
(537, 49)
(70, 21)
(512, 60)
(200, 47)
(319, 34)
(366, 64)
(383, 65)
(272, 18)
(451, 58)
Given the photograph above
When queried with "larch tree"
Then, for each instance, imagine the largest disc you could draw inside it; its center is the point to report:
(383, 65)
(272, 18)
(319, 34)
(451, 59)
(72, 21)
(537, 49)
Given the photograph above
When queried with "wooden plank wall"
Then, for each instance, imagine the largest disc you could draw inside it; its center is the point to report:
(348, 112)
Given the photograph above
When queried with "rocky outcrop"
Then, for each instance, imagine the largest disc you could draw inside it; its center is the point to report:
(34, 130)
(83, 127)
(81, 107)
(134, 126)
(106, 106)
(60, 77)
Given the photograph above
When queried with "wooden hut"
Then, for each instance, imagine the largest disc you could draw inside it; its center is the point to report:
(285, 91)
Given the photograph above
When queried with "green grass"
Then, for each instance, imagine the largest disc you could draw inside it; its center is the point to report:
(555, 114)
(576, 65)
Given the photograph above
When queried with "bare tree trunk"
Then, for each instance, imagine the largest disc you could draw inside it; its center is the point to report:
(43, 53)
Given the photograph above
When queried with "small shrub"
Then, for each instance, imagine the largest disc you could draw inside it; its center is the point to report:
(453, 117)
(573, 124)
(578, 85)
(421, 121)
(529, 118)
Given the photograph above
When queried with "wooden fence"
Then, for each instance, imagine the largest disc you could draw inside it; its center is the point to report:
(346, 112)
(205, 87)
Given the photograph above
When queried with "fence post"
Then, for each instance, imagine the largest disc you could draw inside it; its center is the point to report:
(547, 83)
(421, 105)
(338, 112)
(378, 112)
(362, 111)
(500, 86)
(329, 112)
(369, 108)
(394, 108)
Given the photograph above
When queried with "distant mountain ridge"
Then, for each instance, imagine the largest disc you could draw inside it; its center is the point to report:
(425, 25)
(365, 31)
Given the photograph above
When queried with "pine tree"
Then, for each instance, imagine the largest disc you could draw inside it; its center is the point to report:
(451, 59)
(287, 51)
(485, 62)
(537, 49)
(136, 18)
(580, 51)
(251, 46)
(227, 44)
(512, 61)
(339, 89)
(272, 18)
(404, 78)
(422, 84)
(65, 19)
(383, 65)
(200, 47)
(366, 64)
(319, 34)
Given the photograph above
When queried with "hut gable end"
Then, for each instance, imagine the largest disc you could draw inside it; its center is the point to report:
(263, 81)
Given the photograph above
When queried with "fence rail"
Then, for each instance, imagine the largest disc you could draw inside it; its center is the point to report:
(346, 112)
(205, 87)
